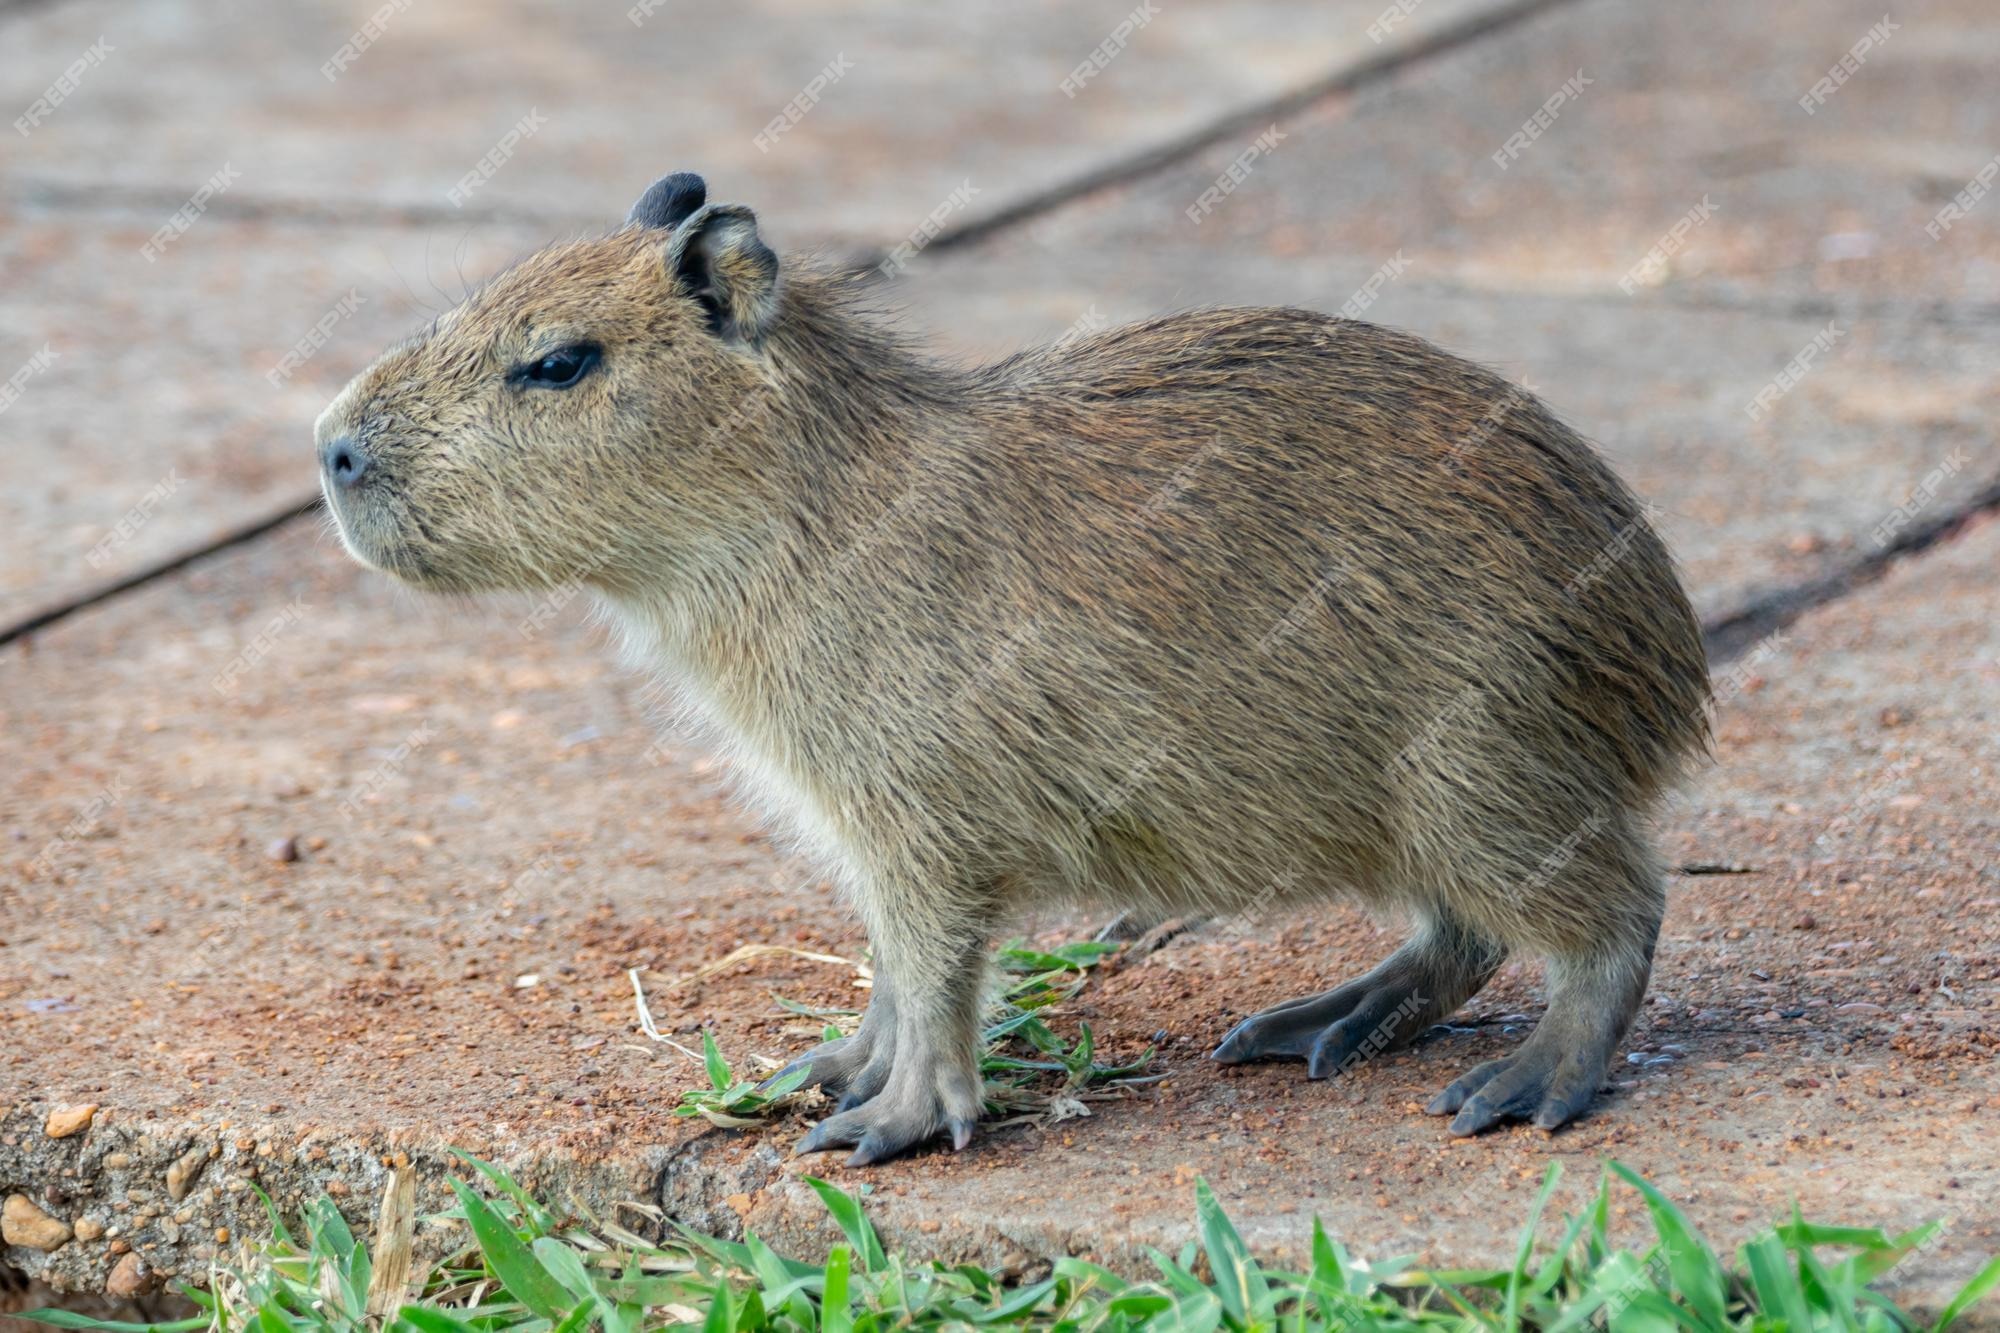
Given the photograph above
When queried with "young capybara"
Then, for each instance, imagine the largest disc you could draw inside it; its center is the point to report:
(1227, 610)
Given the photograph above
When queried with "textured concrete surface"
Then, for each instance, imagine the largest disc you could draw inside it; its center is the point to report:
(157, 386)
(488, 835)
(1827, 210)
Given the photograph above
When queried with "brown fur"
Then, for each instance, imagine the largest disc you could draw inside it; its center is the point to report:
(1225, 610)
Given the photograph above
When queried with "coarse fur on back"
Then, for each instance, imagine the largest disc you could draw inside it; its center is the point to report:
(1230, 609)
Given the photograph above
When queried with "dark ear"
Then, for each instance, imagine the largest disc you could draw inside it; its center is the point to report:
(668, 201)
(719, 260)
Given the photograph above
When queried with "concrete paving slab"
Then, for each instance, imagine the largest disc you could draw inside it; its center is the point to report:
(189, 200)
(163, 405)
(862, 117)
(1831, 210)
(484, 849)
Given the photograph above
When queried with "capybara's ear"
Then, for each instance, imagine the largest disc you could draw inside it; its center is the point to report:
(721, 261)
(669, 201)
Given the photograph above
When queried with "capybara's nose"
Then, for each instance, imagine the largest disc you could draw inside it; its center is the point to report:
(344, 461)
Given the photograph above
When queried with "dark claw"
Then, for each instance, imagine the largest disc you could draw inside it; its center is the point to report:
(821, 1138)
(1476, 1115)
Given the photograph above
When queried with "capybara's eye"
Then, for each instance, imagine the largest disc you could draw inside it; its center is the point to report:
(560, 368)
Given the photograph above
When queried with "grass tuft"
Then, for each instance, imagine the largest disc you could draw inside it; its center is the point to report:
(1031, 1072)
(520, 1267)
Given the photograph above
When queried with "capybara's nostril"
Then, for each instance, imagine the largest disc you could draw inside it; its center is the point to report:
(344, 461)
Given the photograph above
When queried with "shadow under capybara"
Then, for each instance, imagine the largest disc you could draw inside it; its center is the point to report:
(1231, 609)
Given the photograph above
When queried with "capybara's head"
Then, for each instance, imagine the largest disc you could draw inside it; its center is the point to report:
(573, 417)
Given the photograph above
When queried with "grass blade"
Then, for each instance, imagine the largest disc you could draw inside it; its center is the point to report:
(1697, 1273)
(1237, 1282)
(847, 1214)
(525, 1279)
(712, 1061)
(1984, 1281)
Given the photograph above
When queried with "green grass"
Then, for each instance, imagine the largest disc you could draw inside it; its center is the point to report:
(522, 1267)
(1030, 1070)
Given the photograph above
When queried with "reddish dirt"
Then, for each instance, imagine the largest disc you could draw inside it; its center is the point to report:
(1828, 1019)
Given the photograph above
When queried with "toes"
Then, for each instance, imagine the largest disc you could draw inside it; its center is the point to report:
(892, 1138)
(1375, 1026)
(1564, 1102)
(895, 1121)
(825, 1066)
(1510, 1094)
(864, 1085)
(1286, 1032)
(1462, 1088)
(1264, 1036)
(836, 1131)
(882, 1142)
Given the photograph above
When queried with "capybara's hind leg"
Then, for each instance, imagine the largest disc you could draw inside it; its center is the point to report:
(1596, 984)
(1429, 977)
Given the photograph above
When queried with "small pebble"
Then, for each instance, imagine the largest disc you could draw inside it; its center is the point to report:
(67, 1120)
(283, 849)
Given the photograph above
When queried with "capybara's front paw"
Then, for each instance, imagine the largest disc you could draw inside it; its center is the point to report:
(924, 1098)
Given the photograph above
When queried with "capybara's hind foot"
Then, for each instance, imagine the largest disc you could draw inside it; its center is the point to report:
(1331, 1031)
(1420, 983)
(1555, 1075)
(1535, 1083)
